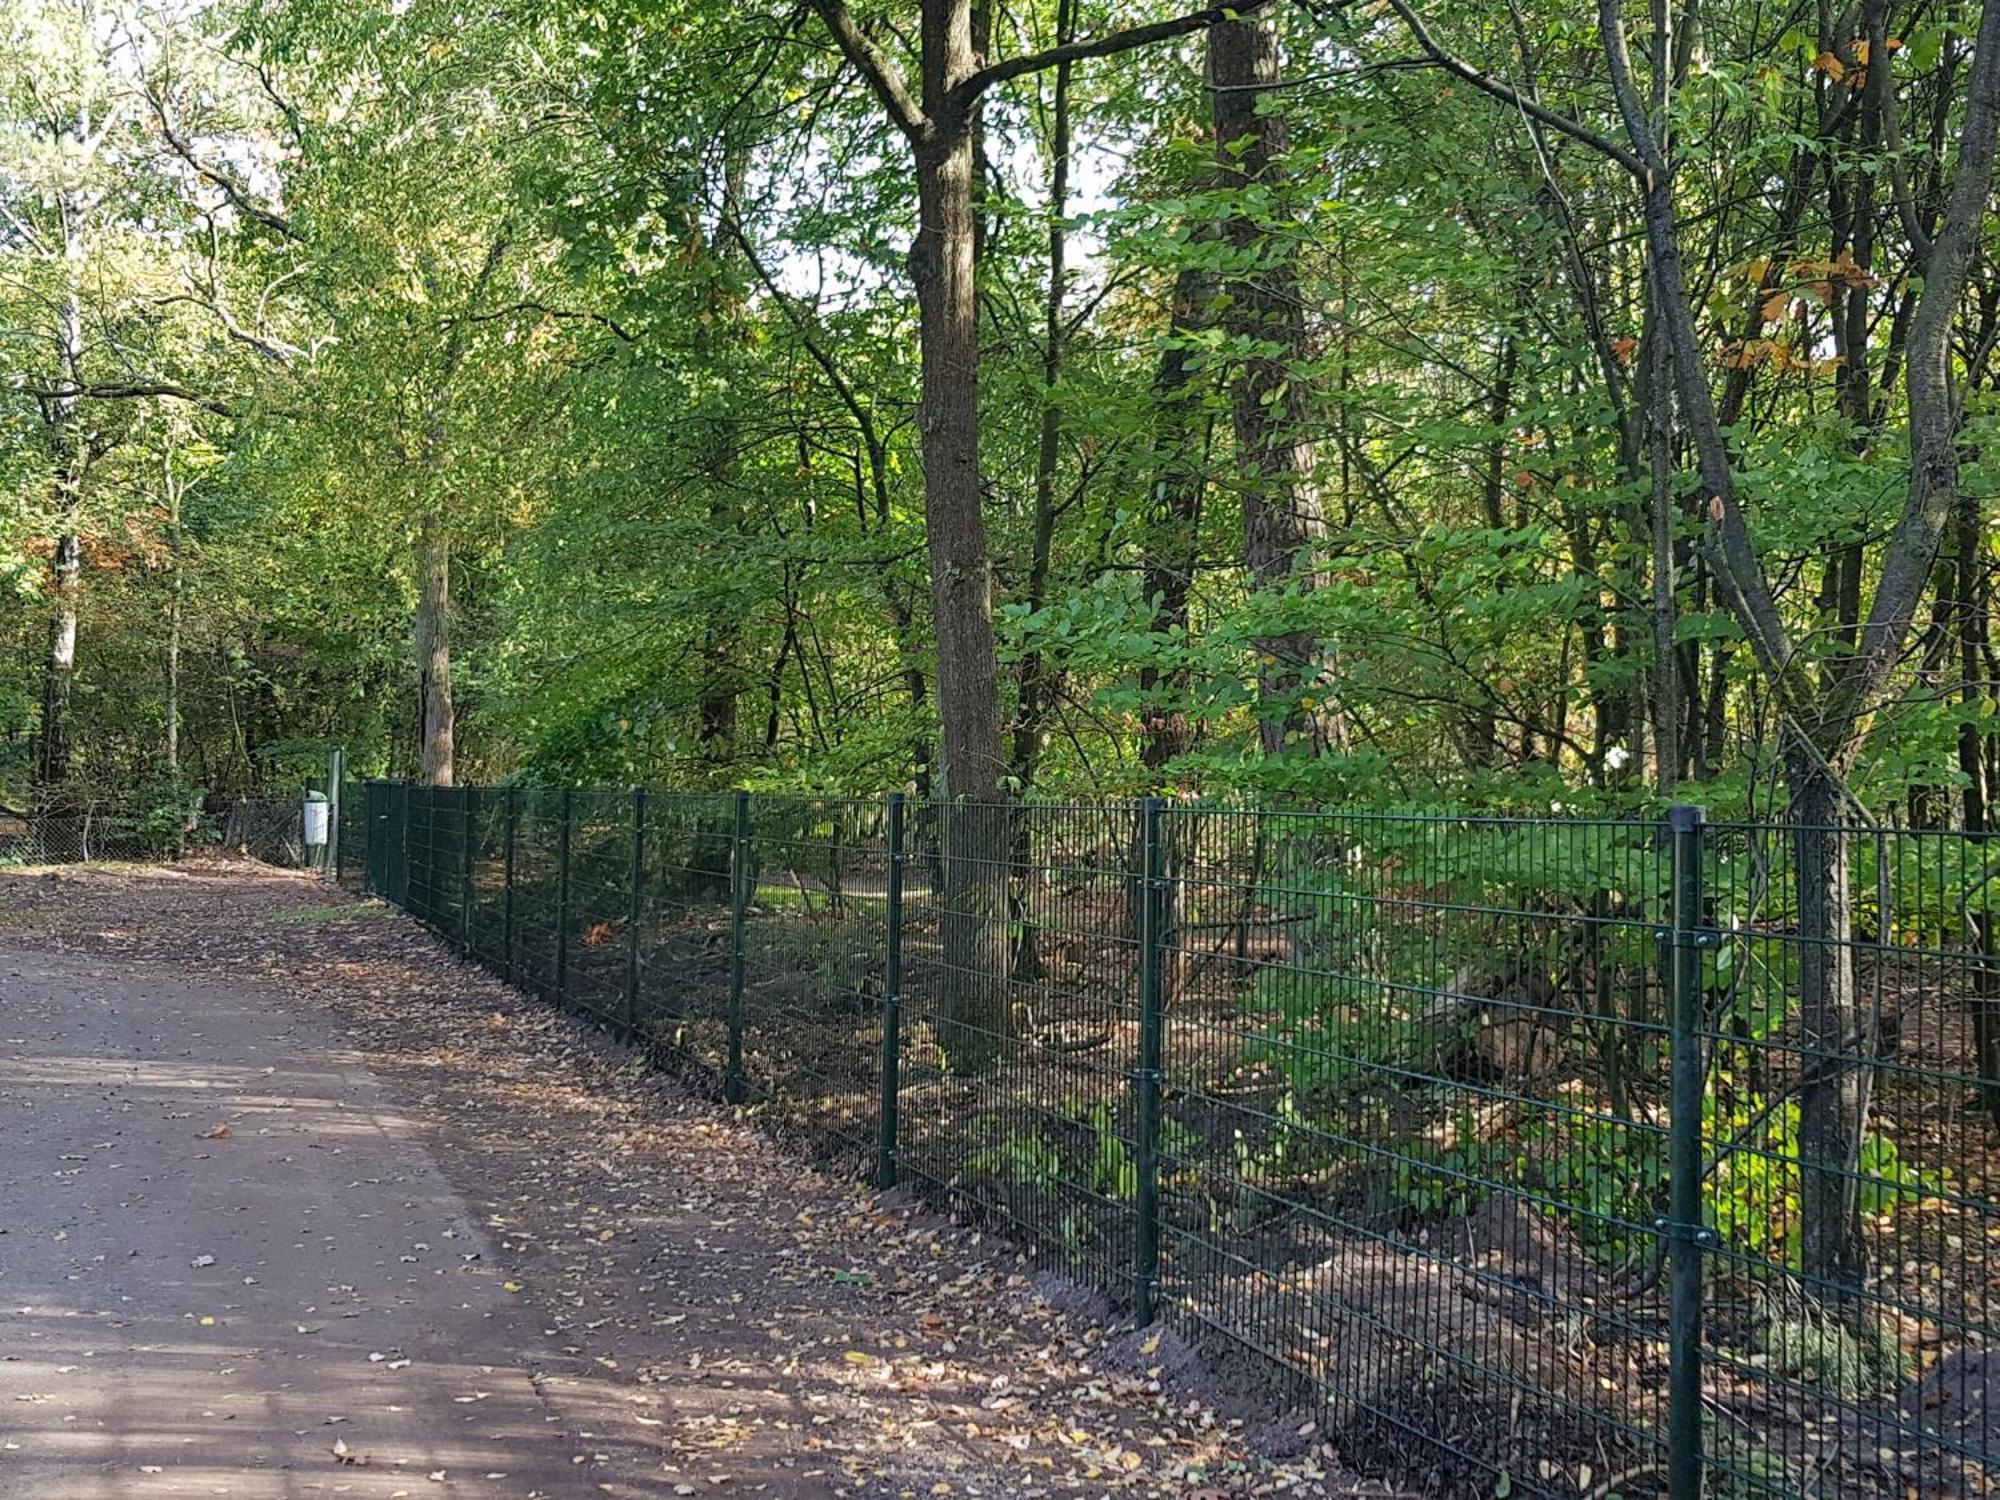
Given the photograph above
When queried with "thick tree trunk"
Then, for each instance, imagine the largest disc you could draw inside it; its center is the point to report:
(1282, 515)
(433, 644)
(961, 571)
(973, 925)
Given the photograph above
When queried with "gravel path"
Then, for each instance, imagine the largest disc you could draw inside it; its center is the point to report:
(295, 1205)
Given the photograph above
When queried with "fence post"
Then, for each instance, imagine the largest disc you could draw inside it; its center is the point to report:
(427, 852)
(892, 1001)
(336, 772)
(1146, 1076)
(1688, 1237)
(739, 902)
(636, 911)
(468, 799)
(507, 885)
(562, 904)
(401, 883)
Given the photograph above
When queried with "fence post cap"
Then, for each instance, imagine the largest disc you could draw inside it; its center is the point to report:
(1684, 817)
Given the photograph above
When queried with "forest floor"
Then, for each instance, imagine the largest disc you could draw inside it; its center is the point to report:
(297, 1205)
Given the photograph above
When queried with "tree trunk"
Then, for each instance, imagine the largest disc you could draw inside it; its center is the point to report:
(1666, 704)
(174, 609)
(1282, 516)
(433, 642)
(59, 669)
(1172, 535)
(67, 454)
(1034, 689)
(1833, 1101)
(973, 925)
(961, 572)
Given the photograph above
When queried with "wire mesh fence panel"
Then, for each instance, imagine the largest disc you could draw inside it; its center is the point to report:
(815, 886)
(1849, 1128)
(595, 902)
(1020, 1023)
(537, 958)
(1415, 1137)
(1550, 1157)
(349, 831)
(685, 932)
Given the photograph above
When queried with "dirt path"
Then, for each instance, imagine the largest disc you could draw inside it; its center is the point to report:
(289, 1190)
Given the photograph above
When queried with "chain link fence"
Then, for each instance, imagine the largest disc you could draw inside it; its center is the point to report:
(1552, 1157)
(269, 828)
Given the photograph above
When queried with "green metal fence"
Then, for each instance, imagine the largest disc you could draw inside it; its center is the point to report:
(1553, 1157)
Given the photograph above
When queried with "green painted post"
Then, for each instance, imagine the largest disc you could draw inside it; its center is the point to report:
(892, 1001)
(467, 807)
(739, 904)
(401, 884)
(562, 905)
(336, 773)
(1687, 1235)
(507, 886)
(371, 834)
(1146, 1077)
(636, 911)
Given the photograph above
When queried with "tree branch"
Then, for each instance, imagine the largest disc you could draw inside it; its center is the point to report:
(128, 390)
(1132, 37)
(883, 76)
(240, 197)
(543, 310)
(1932, 401)
(1486, 83)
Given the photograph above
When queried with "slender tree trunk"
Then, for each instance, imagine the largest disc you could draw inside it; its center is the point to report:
(68, 456)
(433, 643)
(1833, 1104)
(1826, 720)
(175, 601)
(1282, 515)
(722, 636)
(1172, 537)
(1666, 703)
(59, 668)
(1034, 694)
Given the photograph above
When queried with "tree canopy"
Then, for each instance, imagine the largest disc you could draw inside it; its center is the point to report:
(1409, 403)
